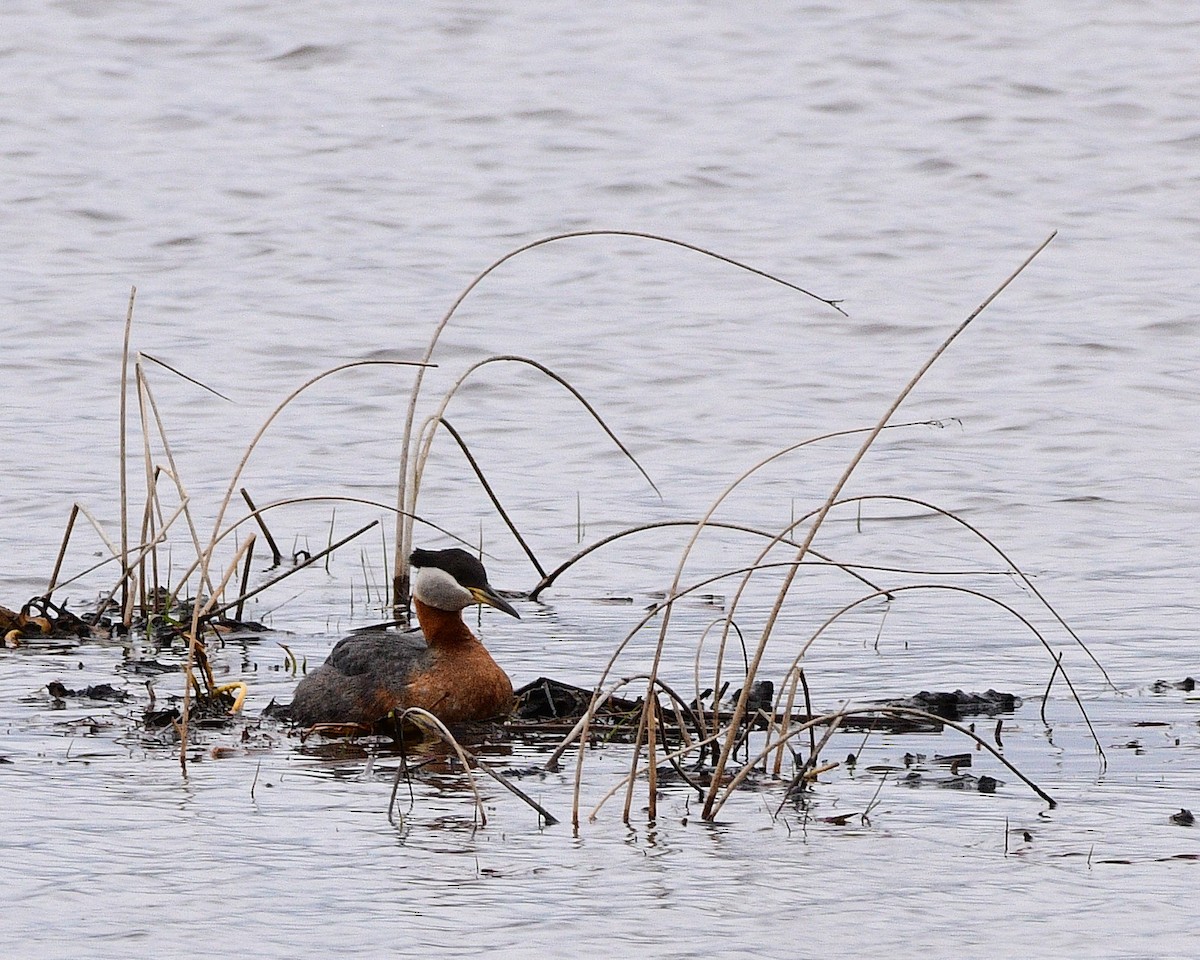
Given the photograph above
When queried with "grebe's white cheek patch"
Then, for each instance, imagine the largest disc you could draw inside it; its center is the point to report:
(438, 589)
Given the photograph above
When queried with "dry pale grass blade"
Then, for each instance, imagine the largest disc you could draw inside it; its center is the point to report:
(123, 476)
(431, 724)
(151, 511)
(598, 700)
(952, 588)
(581, 732)
(549, 579)
(735, 601)
(773, 616)
(672, 757)
(724, 621)
(950, 515)
(620, 649)
(90, 518)
(406, 501)
(809, 769)
(152, 498)
(283, 404)
(173, 471)
(686, 553)
(207, 610)
(788, 530)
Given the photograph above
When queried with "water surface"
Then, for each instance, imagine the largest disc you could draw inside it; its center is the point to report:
(290, 189)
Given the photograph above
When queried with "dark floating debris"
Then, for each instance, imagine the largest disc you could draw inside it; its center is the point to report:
(1187, 684)
(100, 691)
(1183, 818)
(959, 781)
(761, 697)
(545, 699)
(957, 705)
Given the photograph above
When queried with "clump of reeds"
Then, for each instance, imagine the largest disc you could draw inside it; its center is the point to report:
(724, 733)
(700, 740)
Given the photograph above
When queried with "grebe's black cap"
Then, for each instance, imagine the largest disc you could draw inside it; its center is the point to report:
(467, 570)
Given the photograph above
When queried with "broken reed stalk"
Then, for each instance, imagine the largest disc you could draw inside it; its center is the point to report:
(62, 550)
(276, 556)
(123, 482)
(740, 707)
(287, 573)
(289, 501)
(241, 602)
(183, 376)
(114, 556)
(406, 481)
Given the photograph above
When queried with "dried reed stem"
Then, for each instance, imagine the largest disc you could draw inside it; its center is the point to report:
(740, 708)
(62, 550)
(407, 477)
(123, 481)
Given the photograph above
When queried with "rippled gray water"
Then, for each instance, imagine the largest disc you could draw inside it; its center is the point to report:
(293, 187)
